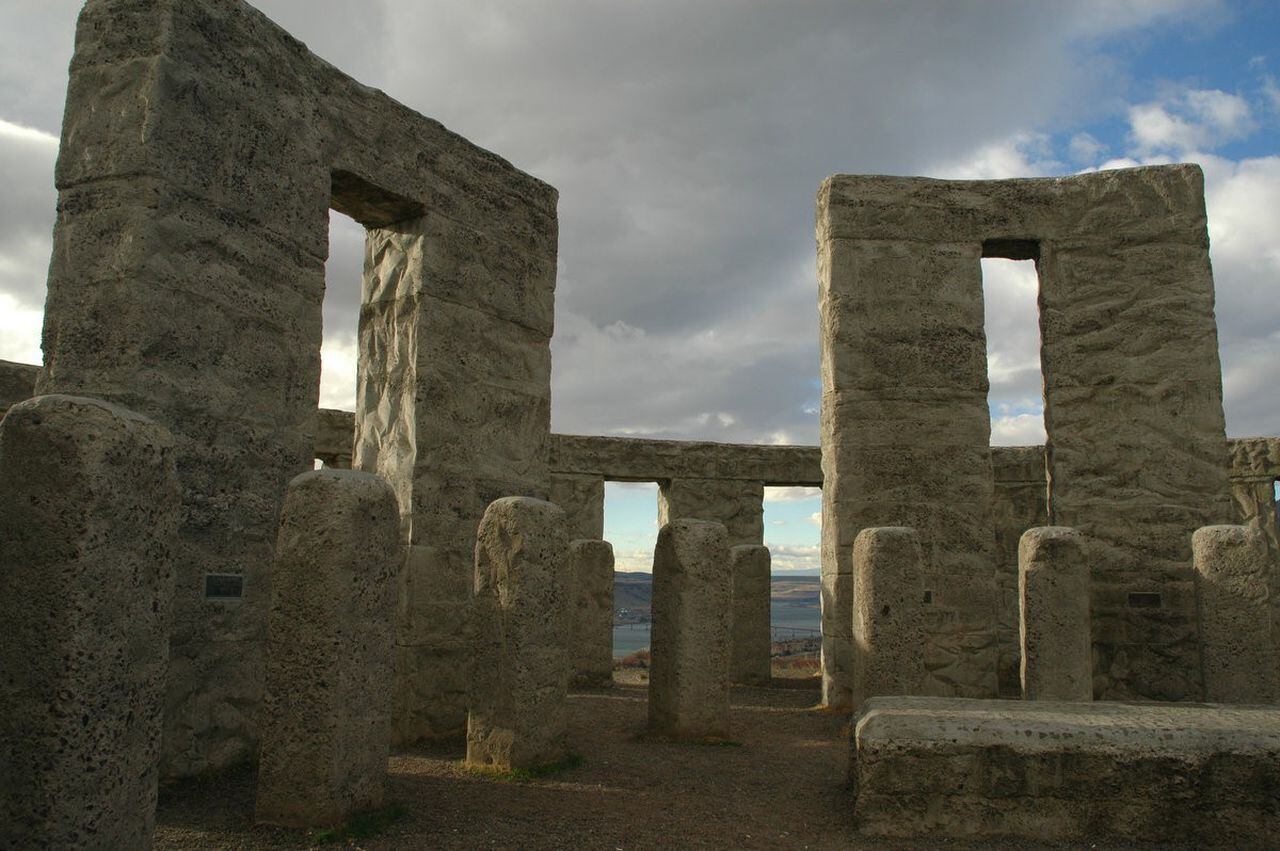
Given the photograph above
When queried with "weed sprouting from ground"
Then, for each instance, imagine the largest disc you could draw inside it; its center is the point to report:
(524, 775)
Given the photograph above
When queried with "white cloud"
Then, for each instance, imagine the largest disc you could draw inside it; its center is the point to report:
(1020, 155)
(19, 330)
(1017, 430)
(786, 557)
(1085, 149)
(791, 494)
(1189, 120)
(816, 518)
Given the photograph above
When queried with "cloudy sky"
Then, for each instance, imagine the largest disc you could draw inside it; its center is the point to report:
(688, 140)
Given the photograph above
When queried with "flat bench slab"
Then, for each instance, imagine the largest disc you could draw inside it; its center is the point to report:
(1202, 774)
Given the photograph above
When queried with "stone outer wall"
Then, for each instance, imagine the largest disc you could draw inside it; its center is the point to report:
(1053, 601)
(888, 613)
(88, 515)
(750, 658)
(1124, 270)
(17, 382)
(590, 592)
(204, 241)
(326, 711)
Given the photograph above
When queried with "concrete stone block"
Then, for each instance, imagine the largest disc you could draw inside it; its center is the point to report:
(326, 712)
(967, 770)
(692, 595)
(591, 587)
(1053, 592)
(89, 507)
(522, 584)
(582, 498)
(888, 613)
(1237, 640)
(752, 644)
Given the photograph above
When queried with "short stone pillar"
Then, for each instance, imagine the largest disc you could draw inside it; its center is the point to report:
(591, 633)
(1053, 602)
(518, 716)
(888, 613)
(750, 657)
(89, 505)
(689, 646)
(1237, 643)
(326, 712)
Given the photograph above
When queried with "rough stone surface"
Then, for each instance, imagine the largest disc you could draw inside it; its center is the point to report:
(646, 460)
(736, 504)
(582, 498)
(689, 668)
(335, 431)
(1136, 437)
(88, 513)
(187, 281)
(1021, 502)
(1053, 589)
(17, 382)
(750, 655)
(591, 641)
(326, 713)
(1237, 638)
(522, 587)
(888, 613)
(1045, 771)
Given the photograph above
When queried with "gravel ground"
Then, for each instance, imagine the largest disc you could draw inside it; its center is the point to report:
(780, 785)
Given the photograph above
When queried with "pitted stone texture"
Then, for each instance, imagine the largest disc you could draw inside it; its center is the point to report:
(522, 608)
(187, 281)
(692, 594)
(1237, 638)
(335, 432)
(1044, 772)
(582, 498)
(888, 613)
(646, 460)
(1020, 502)
(17, 382)
(736, 504)
(591, 586)
(1137, 436)
(326, 712)
(750, 656)
(1053, 589)
(88, 512)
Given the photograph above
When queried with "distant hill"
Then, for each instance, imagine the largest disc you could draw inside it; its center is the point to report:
(633, 591)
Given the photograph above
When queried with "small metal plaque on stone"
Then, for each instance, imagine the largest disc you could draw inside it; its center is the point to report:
(223, 586)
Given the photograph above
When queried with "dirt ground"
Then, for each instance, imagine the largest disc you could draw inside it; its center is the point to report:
(780, 785)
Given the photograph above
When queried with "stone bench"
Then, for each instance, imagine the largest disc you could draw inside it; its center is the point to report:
(1188, 773)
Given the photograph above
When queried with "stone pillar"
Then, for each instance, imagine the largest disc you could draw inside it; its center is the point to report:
(736, 504)
(591, 641)
(1237, 642)
(518, 715)
(692, 595)
(750, 658)
(89, 504)
(582, 498)
(1053, 593)
(888, 613)
(326, 714)
(1020, 502)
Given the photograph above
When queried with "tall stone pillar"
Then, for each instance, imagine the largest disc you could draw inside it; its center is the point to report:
(750, 659)
(1233, 592)
(518, 715)
(888, 613)
(1053, 590)
(591, 588)
(89, 506)
(581, 496)
(692, 595)
(326, 714)
(736, 504)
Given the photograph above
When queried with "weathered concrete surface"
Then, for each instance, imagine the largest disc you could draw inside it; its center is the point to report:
(17, 382)
(1044, 771)
(736, 504)
(1020, 502)
(1053, 590)
(591, 633)
(888, 613)
(1237, 639)
(1137, 440)
(1255, 467)
(905, 425)
(522, 585)
(187, 281)
(335, 431)
(326, 712)
(646, 460)
(751, 642)
(582, 498)
(692, 595)
(88, 512)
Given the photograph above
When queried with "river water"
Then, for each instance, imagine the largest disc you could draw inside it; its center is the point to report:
(629, 639)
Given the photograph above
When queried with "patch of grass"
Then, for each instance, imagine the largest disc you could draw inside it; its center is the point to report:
(524, 775)
(361, 825)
